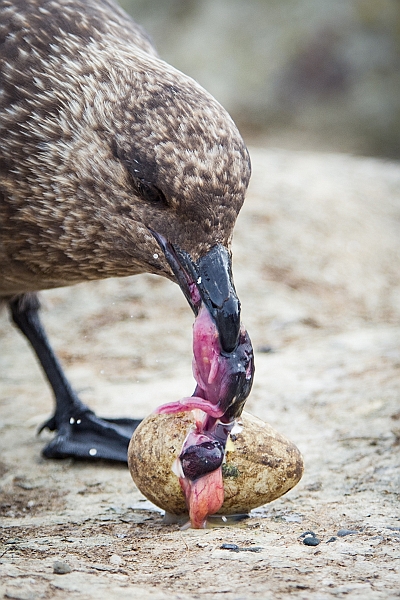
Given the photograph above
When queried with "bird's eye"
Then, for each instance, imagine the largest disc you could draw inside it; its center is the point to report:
(148, 191)
(138, 179)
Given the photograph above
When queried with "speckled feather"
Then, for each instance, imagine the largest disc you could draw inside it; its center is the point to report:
(87, 112)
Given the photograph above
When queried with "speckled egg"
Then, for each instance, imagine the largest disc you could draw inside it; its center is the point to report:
(260, 464)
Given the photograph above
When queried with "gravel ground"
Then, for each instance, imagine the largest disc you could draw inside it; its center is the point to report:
(316, 263)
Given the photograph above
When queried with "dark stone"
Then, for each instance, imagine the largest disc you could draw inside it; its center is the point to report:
(344, 532)
(232, 547)
(311, 541)
(235, 548)
(61, 568)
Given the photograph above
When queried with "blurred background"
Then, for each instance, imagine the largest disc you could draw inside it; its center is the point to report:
(311, 74)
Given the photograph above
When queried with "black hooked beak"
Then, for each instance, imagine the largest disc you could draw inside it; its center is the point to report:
(208, 280)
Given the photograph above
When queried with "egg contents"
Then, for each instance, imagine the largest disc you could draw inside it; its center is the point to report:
(224, 381)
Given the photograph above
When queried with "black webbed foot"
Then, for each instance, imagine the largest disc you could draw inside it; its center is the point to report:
(80, 433)
(89, 437)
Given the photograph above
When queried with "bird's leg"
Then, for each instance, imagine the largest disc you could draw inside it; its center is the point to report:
(80, 433)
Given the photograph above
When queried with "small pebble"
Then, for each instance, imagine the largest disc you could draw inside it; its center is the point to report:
(332, 539)
(311, 540)
(233, 547)
(343, 532)
(61, 568)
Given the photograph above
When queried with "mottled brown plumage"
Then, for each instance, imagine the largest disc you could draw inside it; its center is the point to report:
(100, 139)
(112, 163)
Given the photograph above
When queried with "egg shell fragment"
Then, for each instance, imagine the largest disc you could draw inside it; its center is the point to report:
(261, 464)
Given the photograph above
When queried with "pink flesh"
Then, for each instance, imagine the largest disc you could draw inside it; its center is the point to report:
(211, 370)
(190, 403)
(206, 351)
(204, 497)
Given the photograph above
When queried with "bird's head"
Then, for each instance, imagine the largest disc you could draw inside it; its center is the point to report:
(187, 170)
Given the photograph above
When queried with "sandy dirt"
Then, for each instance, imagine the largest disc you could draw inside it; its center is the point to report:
(316, 263)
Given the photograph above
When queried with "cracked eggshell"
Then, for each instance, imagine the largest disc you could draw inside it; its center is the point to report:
(260, 464)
